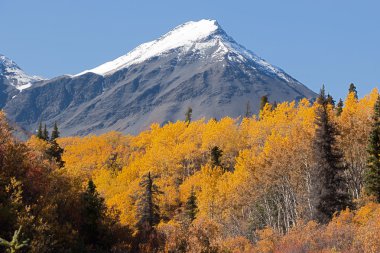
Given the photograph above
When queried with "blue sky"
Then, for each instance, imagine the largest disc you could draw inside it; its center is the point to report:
(331, 42)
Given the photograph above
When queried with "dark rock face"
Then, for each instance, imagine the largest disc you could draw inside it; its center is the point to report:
(5, 92)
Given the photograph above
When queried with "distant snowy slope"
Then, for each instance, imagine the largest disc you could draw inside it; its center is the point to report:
(15, 75)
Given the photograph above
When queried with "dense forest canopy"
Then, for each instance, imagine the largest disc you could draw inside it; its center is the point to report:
(298, 177)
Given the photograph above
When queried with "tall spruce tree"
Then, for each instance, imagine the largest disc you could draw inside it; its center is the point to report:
(329, 191)
(191, 207)
(188, 115)
(93, 213)
(330, 100)
(40, 134)
(321, 99)
(352, 88)
(55, 151)
(148, 213)
(339, 107)
(216, 154)
(55, 132)
(372, 174)
(45, 134)
(263, 102)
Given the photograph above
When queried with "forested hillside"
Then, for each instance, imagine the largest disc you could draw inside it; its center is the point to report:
(298, 177)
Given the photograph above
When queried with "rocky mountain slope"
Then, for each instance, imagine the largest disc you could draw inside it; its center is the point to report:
(195, 65)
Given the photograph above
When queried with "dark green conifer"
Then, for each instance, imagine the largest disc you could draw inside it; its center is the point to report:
(263, 102)
(55, 152)
(147, 209)
(216, 154)
(321, 99)
(45, 134)
(188, 115)
(329, 190)
(330, 100)
(55, 132)
(353, 89)
(339, 107)
(40, 134)
(93, 212)
(191, 207)
(372, 175)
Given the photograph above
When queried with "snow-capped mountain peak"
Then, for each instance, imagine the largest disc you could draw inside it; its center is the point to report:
(183, 36)
(15, 75)
(194, 65)
(194, 37)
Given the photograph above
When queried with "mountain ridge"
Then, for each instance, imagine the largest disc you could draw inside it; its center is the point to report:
(156, 82)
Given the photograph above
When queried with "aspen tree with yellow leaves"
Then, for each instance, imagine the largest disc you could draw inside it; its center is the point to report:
(354, 125)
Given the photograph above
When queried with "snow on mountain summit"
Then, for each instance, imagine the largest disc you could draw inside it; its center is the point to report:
(15, 75)
(181, 36)
(193, 36)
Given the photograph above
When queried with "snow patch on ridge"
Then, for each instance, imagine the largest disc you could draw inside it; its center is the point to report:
(24, 86)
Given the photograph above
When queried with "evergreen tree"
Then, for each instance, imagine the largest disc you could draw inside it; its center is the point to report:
(40, 134)
(191, 207)
(339, 107)
(148, 210)
(55, 132)
(353, 89)
(372, 176)
(45, 134)
(329, 192)
(263, 102)
(216, 154)
(93, 212)
(321, 99)
(330, 100)
(188, 115)
(55, 152)
(248, 112)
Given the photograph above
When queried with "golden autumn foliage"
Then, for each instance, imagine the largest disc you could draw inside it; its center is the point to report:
(84, 155)
(260, 191)
(349, 231)
(355, 126)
